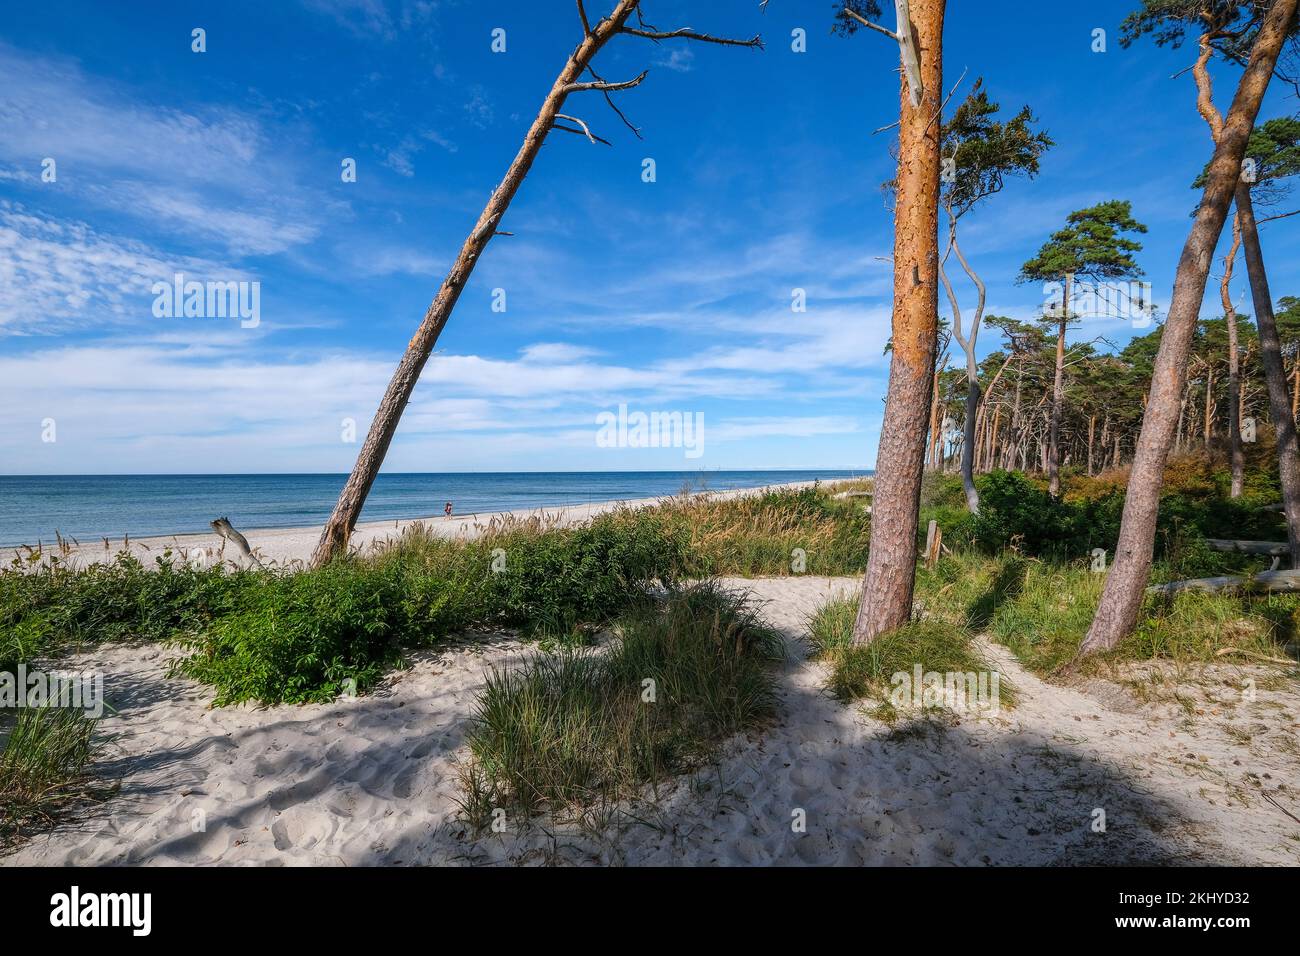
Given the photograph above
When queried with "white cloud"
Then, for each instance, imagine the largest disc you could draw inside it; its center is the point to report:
(215, 172)
(56, 274)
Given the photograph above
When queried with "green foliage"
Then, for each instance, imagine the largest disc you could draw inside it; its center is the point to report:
(574, 728)
(279, 637)
(556, 580)
(298, 638)
(49, 608)
(1090, 246)
(986, 151)
(1231, 24)
(1018, 512)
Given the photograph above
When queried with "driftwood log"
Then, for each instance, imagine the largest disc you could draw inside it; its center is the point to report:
(1263, 581)
(1273, 549)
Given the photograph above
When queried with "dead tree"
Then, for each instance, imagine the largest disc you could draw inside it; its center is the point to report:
(980, 153)
(577, 76)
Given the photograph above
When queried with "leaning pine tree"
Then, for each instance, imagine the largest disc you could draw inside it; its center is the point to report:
(891, 565)
(1121, 598)
(1226, 30)
(338, 529)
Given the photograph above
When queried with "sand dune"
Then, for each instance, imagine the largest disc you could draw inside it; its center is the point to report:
(373, 780)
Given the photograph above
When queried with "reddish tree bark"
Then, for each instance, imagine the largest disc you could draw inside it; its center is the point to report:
(891, 565)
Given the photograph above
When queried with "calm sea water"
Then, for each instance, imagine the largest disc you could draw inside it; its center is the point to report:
(88, 507)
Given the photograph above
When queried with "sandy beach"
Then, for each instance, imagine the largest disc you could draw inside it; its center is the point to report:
(290, 546)
(374, 780)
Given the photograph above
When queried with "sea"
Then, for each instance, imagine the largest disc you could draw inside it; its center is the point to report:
(89, 507)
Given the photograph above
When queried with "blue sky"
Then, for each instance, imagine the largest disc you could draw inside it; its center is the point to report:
(667, 296)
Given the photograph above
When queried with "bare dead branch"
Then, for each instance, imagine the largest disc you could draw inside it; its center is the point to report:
(607, 87)
(586, 24)
(872, 26)
(686, 33)
(636, 130)
(944, 105)
(584, 129)
(1281, 215)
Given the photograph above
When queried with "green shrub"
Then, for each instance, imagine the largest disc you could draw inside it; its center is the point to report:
(304, 637)
(1016, 511)
(48, 609)
(556, 580)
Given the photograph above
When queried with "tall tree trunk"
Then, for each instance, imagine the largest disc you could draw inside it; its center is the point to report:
(1092, 431)
(936, 434)
(967, 344)
(338, 529)
(891, 565)
(1234, 364)
(1270, 350)
(1295, 388)
(1121, 598)
(1058, 396)
(1208, 424)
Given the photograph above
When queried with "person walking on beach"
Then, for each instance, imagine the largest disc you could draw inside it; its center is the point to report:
(446, 509)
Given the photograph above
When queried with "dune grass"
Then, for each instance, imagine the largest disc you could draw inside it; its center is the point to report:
(44, 769)
(578, 727)
(779, 532)
(1041, 609)
(868, 671)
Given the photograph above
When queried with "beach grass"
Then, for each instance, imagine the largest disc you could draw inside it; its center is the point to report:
(44, 765)
(576, 727)
(868, 671)
(784, 531)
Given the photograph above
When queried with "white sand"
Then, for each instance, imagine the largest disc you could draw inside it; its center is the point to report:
(291, 545)
(373, 780)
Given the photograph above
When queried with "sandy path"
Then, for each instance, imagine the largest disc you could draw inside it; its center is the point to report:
(290, 545)
(373, 780)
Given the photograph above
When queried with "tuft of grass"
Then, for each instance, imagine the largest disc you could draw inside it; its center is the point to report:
(44, 769)
(867, 671)
(580, 727)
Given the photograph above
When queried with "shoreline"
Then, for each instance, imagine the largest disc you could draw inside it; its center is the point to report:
(295, 545)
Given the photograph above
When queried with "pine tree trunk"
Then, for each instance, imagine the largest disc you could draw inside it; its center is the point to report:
(1092, 431)
(1058, 397)
(334, 536)
(891, 565)
(1208, 423)
(1234, 365)
(935, 435)
(1122, 595)
(1270, 350)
